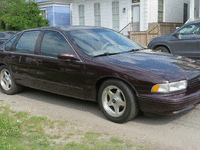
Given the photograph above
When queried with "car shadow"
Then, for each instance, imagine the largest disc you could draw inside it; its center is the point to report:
(64, 101)
(92, 107)
(159, 119)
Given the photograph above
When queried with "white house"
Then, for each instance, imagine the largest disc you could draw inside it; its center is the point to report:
(194, 10)
(116, 14)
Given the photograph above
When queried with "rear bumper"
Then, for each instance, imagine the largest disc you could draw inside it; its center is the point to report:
(169, 104)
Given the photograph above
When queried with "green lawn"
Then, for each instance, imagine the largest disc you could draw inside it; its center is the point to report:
(21, 131)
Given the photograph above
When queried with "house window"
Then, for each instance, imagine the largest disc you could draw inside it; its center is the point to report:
(97, 14)
(43, 12)
(115, 13)
(135, 1)
(81, 15)
(160, 10)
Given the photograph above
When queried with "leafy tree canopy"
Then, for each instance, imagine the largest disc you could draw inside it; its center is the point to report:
(5, 5)
(20, 16)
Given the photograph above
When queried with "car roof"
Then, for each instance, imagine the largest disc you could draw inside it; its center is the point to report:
(196, 21)
(67, 28)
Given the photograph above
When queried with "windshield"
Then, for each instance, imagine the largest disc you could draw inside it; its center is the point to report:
(94, 42)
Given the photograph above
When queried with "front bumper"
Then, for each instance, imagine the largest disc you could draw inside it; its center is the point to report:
(169, 103)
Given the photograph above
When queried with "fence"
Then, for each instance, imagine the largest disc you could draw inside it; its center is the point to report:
(155, 29)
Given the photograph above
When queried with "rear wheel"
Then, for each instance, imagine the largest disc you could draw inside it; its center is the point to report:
(162, 49)
(117, 101)
(7, 83)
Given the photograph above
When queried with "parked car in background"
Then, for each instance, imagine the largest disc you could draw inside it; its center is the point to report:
(5, 35)
(101, 65)
(184, 41)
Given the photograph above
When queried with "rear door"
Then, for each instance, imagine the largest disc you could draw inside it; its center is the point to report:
(22, 58)
(57, 75)
(5, 49)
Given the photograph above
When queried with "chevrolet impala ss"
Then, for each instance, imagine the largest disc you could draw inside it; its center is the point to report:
(99, 64)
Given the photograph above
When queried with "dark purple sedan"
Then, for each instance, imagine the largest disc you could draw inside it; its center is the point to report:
(99, 64)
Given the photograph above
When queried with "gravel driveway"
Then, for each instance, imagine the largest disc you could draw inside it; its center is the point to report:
(161, 132)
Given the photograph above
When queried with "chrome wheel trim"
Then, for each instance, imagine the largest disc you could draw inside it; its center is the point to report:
(113, 101)
(159, 50)
(5, 79)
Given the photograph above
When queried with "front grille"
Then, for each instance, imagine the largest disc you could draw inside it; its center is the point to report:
(192, 83)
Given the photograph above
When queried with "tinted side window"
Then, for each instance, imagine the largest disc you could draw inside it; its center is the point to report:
(27, 41)
(9, 43)
(53, 43)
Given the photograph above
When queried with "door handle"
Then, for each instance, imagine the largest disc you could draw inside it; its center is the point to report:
(12, 57)
(38, 62)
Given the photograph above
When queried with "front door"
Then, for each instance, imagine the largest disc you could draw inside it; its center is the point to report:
(136, 17)
(58, 75)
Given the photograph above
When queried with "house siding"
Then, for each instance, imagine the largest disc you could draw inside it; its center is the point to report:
(58, 14)
(62, 15)
(49, 14)
(144, 14)
(89, 13)
(153, 11)
(75, 15)
(106, 12)
(125, 18)
(174, 10)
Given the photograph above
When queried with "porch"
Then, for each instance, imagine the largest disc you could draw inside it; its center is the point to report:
(155, 29)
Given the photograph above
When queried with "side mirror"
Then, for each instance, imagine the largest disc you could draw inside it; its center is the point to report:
(67, 55)
(176, 35)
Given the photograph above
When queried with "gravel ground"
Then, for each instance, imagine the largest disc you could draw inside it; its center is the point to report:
(161, 132)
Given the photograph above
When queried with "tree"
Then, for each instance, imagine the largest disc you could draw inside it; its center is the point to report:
(5, 5)
(22, 16)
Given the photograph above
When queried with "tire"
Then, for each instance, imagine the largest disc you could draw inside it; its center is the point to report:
(162, 49)
(7, 83)
(117, 101)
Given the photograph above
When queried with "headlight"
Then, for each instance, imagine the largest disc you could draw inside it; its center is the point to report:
(170, 87)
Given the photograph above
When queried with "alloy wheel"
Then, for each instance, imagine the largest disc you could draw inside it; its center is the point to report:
(5, 79)
(114, 101)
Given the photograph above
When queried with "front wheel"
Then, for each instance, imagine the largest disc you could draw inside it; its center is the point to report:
(7, 83)
(162, 49)
(117, 101)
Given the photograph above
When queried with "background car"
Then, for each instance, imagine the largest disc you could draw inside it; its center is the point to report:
(184, 41)
(5, 35)
(99, 64)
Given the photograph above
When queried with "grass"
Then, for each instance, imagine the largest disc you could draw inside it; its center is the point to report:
(21, 131)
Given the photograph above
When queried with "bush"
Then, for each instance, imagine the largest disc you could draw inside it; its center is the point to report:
(22, 16)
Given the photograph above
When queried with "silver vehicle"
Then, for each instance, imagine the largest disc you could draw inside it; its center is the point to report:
(5, 35)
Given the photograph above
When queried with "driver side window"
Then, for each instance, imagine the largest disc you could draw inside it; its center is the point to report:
(53, 43)
(190, 30)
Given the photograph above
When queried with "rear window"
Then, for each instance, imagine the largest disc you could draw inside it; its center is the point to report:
(27, 41)
(9, 43)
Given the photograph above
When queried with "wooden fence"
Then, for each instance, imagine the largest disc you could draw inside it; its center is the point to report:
(156, 29)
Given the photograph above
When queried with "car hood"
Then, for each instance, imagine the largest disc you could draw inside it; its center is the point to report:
(168, 66)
